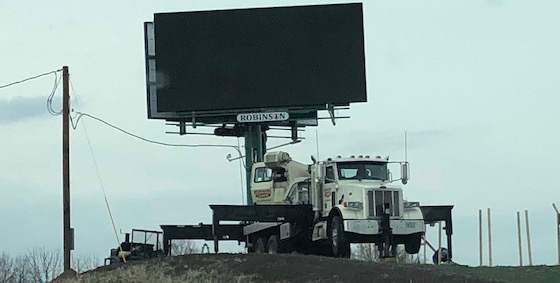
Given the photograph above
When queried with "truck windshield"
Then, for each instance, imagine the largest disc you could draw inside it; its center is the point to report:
(362, 170)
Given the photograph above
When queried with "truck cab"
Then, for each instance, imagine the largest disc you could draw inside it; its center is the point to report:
(360, 191)
(360, 187)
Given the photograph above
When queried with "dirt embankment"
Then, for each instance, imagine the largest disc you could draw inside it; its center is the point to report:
(267, 268)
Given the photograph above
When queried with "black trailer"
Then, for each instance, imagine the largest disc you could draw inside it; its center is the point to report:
(254, 222)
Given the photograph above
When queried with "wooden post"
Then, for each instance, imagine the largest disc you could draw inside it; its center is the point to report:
(67, 231)
(558, 229)
(489, 240)
(480, 237)
(528, 238)
(519, 239)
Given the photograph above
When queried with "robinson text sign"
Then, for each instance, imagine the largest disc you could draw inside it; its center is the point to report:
(262, 117)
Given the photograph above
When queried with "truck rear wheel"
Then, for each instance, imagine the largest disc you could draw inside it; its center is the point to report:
(340, 247)
(260, 246)
(273, 245)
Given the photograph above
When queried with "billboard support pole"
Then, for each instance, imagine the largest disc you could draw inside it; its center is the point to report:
(254, 152)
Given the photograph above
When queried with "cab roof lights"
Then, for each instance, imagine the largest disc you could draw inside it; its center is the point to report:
(358, 156)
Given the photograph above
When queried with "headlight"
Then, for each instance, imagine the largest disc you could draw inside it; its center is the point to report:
(409, 204)
(354, 204)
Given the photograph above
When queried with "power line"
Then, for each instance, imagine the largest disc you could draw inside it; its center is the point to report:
(82, 114)
(79, 115)
(30, 78)
(51, 95)
(53, 91)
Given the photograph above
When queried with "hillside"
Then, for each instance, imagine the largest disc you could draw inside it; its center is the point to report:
(302, 268)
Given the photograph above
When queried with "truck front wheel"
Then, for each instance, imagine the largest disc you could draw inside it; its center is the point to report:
(340, 247)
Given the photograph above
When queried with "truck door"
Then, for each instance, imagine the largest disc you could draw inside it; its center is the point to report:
(329, 190)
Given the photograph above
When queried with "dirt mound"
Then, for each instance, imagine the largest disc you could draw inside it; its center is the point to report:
(266, 268)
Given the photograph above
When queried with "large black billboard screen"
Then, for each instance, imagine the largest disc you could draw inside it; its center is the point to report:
(259, 58)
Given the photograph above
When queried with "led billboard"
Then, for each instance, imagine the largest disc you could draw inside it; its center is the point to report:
(261, 58)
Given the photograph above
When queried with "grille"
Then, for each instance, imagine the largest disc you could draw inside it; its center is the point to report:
(382, 201)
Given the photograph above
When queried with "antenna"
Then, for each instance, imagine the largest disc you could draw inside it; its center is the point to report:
(405, 147)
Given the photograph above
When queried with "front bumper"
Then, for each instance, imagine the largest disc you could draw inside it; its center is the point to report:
(373, 226)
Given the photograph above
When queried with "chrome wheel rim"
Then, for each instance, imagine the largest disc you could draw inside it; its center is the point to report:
(334, 235)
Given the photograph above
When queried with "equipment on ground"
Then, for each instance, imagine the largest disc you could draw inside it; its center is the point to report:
(143, 245)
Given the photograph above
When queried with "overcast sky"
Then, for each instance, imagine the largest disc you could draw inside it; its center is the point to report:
(474, 83)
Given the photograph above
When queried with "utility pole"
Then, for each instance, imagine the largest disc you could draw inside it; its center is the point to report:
(67, 232)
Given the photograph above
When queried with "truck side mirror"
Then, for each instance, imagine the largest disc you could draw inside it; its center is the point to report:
(404, 173)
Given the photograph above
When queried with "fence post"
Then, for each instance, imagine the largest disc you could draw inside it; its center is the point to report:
(480, 236)
(558, 229)
(528, 238)
(519, 239)
(489, 240)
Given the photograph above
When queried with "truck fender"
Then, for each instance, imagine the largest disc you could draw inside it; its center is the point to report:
(413, 213)
(334, 211)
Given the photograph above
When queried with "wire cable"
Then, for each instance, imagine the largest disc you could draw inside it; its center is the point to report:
(104, 192)
(30, 78)
(82, 114)
(51, 95)
(98, 174)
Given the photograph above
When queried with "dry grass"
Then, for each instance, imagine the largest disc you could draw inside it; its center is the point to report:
(161, 272)
(304, 269)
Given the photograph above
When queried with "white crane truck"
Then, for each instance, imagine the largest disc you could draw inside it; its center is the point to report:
(319, 208)
(354, 200)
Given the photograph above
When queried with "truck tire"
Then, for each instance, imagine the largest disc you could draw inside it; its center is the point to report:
(413, 243)
(260, 246)
(340, 247)
(273, 245)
